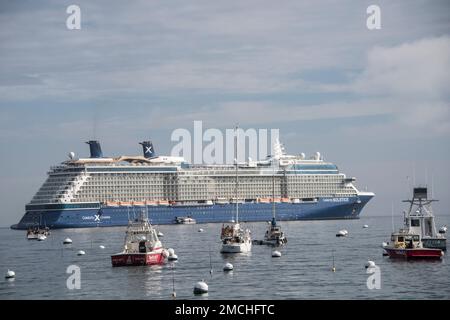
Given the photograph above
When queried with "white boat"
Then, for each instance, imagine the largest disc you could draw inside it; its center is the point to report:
(185, 220)
(234, 238)
(37, 233)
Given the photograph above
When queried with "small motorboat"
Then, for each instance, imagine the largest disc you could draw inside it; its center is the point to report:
(185, 220)
(443, 229)
(142, 246)
(38, 233)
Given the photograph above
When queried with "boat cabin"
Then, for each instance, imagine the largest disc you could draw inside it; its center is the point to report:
(403, 240)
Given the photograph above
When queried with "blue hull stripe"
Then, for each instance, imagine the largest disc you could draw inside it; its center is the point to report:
(327, 208)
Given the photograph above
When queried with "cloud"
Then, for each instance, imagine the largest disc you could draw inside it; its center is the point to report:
(418, 69)
(415, 77)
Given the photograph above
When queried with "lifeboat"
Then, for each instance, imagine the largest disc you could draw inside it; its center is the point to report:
(221, 201)
(163, 202)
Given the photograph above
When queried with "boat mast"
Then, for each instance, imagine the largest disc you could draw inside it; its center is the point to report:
(273, 191)
(237, 181)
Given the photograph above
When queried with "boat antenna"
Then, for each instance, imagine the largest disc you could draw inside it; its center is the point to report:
(432, 185)
(236, 164)
(392, 216)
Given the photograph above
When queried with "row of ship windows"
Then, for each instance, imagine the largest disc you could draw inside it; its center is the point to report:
(190, 186)
(60, 182)
(212, 175)
(131, 191)
(165, 177)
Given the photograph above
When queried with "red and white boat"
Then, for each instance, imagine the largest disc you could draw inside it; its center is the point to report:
(409, 246)
(418, 238)
(142, 246)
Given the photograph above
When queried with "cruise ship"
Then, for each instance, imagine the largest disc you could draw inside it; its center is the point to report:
(110, 191)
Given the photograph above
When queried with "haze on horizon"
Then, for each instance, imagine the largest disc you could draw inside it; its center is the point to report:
(375, 102)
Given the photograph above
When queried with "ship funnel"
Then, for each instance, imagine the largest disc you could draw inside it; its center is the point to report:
(147, 147)
(96, 150)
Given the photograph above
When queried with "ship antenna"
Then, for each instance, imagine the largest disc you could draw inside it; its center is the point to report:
(236, 164)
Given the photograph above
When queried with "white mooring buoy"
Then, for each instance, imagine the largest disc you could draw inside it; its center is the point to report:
(201, 230)
(228, 267)
(365, 226)
(102, 247)
(370, 264)
(10, 274)
(160, 234)
(81, 253)
(67, 241)
(342, 233)
(173, 257)
(276, 254)
(201, 287)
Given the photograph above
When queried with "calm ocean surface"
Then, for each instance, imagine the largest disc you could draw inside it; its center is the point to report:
(303, 271)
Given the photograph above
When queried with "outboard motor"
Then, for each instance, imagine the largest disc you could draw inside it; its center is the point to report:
(96, 150)
(147, 146)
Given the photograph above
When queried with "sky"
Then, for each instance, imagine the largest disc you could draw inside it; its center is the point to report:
(374, 102)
